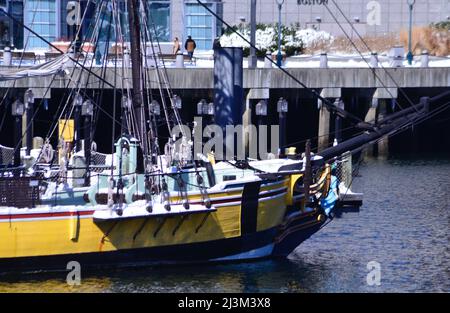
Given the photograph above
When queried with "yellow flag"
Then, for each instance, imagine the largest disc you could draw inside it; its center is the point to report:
(66, 130)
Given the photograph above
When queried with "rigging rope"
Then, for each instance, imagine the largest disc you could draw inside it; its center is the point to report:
(367, 46)
(20, 63)
(325, 101)
(367, 62)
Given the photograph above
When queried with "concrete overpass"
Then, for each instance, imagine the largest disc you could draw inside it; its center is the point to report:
(271, 78)
(258, 83)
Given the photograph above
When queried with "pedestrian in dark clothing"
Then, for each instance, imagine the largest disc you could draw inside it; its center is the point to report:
(216, 43)
(190, 46)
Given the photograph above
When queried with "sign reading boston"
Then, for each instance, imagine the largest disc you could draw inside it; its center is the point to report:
(312, 2)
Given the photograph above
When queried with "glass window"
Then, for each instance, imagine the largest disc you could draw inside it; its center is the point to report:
(40, 16)
(4, 34)
(200, 24)
(159, 19)
(15, 30)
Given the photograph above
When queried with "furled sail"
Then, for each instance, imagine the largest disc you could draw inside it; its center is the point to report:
(48, 68)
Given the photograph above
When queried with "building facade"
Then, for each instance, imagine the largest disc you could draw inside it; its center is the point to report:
(180, 18)
(371, 17)
(11, 33)
(368, 17)
(43, 17)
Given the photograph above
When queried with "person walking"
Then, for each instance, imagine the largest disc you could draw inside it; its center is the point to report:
(176, 46)
(190, 46)
(216, 43)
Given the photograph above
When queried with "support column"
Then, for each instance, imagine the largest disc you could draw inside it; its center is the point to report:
(77, 103)
(29, 128)
(267, 62)
(87, 112)
(7, 56)
(331, 94)
(323, 60)
(338, 121)
(17, 139)
(282, 140)
(346, 169)
(424, 59)
(252, 61)
(25, 117)
(371, 118)
(179, 60)
(246, 124)
(378, 111)
(251, 137)
(228, 89)
(374, 60)
(27, 120)
(383, 144)
(324, 127)
(17, 110)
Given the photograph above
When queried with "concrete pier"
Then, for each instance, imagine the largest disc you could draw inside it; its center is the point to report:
(324, 128)
(370, 118)
(331, 94)
(195, 83)
(377, 111)
(318, 78)
(383, 144)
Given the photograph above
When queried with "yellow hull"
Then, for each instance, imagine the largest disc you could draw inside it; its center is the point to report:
(59, 232)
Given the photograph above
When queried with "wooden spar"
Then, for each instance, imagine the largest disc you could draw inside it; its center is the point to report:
(385, 127)
(367, 137)
(136, 61)
(307, 176)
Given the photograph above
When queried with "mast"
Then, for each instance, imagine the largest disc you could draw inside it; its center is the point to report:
(308, 174)
(136, 62)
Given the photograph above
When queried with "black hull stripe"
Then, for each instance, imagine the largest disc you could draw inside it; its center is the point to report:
(249, 208)
(239, 198)
(264, 183)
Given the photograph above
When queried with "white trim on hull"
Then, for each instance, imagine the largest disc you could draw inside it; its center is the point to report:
(251, 254)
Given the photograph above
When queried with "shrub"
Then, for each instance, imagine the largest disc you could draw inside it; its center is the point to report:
(435, 39)
(266, 39)
(441, 25)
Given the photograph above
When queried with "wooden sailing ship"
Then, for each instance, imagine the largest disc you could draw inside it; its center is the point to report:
(140, 206)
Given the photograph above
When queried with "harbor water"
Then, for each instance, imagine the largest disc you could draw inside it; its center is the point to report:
(404, 226)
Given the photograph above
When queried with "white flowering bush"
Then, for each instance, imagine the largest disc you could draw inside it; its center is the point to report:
(266, 38)
(234, 40)
(311, 37)
(293, 41)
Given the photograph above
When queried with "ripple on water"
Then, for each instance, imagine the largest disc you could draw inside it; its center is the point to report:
(404, 225)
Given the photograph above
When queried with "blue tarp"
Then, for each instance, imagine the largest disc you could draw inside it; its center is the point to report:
(329, 202)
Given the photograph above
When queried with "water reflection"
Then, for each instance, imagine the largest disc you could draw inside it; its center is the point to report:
(403, 225)
(262, 276)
